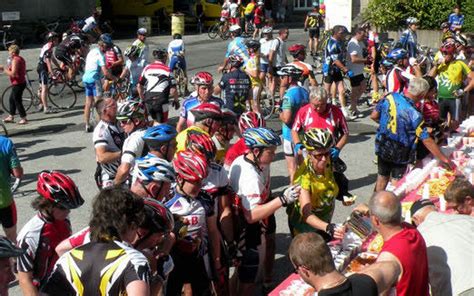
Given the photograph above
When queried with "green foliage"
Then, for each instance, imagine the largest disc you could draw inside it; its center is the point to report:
(467, 7)
(391, 15)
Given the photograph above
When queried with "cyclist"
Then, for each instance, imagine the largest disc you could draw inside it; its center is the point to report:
(107, 265)
(142, 46)
(113, 61)
(8, 251)
(278, 59)
(249, 13)
(197, 209)
(408, 39)
(161, 141)
(399, 76)
(16, 71)
(247, 120)
(236, 86)
(92, 23)
(224, 134)
(298, 52)
(45, 68)
(108, 140)
(294, 98)
(312, 23)
(203, 82)
(259, 19)
(462, 52)
(58, 195)
(131, 116)
(456, 19)
(207, 118)
(267, 43)
(9, 165)
(373, 58)
(236, 46)
(252, 68)
(132, 69)
(156, 86)
(95, 65)
(176, 53)
(234, 8)
(447, 33)
(67, 51)
(249, 175)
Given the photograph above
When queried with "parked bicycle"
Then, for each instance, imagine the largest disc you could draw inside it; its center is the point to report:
(10, 36)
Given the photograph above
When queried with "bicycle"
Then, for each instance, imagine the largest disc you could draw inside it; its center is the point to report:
(10, 36)
(181, 79)
(119, 90)
(220, 29)
(76, 81)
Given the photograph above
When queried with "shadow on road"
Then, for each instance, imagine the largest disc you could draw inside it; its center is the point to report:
(41, 130)
(362, 182)
(50, 152)
(282, 264)
(33, 177)
(22, 146)
(64, 114)
(358, 138)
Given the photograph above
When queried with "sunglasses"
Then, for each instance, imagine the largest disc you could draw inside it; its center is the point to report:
(319, 156)
(125, 121)
(60, 207)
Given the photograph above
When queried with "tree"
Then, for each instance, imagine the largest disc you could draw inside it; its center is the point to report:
(467, 7)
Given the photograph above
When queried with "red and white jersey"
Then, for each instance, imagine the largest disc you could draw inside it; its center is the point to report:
(236, 150)
(333, 119)
(397, 79)
(157, 77)
(80, 238)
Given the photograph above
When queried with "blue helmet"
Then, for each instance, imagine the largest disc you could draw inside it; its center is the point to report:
(387, 63)
(261, 137)
(106, 38)
(157, 134)
(152, 168)
(397, 54)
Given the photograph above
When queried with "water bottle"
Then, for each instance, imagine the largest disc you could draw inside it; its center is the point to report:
(9, 62)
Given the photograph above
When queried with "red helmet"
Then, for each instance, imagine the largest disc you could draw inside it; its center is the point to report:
(59, 188)
(249, 120)
(190, 166)
(203, 78)
(207, 110)
(448, 48)
(158, 218)
(202, 144)
(296, 49)
(430, 112)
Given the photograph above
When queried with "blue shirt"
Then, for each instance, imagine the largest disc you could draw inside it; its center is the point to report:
(334, 51)
(94, 61)
(8, 161)
(401, 124)
(295, 98)
(409, 41)
(238, 47)
(455, 20)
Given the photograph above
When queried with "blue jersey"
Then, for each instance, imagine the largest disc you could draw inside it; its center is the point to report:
(295, 98)
(8, 161)
(400, 128)
(455, 20)
(238, 47)
(191, 103)
(334, 51)
(409, 41)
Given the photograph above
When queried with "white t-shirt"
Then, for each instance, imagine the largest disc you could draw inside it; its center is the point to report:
(355, 48)
(133, 146)
(234, 10)
(280, 58)
(265, 47)
(112, 137)
(216, 180)
(135, 69)
(449, 240)
(251, 185)
(90, 24)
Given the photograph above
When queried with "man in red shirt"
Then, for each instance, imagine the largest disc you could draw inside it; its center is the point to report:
(403, 244)
(259, 19)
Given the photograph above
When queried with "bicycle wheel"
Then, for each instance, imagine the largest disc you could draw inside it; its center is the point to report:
(27, 99)
(267, 104)
(64, 99)
(225, 34)
(57, 86)
(180, 81)
(213, 31)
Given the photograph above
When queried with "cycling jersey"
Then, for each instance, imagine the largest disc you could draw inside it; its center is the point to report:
(176, 47)
(455, 20)
(252, 64)
(295, 98)
(90, 24)
(323, 191)
(94, 61)
(98, 268)
(8, 161)
(332, 119)
(450, 78)
(80, 238)
(133, 147)
(182, 137)
(334, 51)
(314, 20)
(237, 46)
(236, 150)
(69, 45)
(397, 79)
(158, 78)
(249, 8)
(112, 55)
(45, 53)
(39, 237)
(192, 102)
(135, 70)
(216, 183)
(259, 16)
(112, 137)
(236, 87)
(143, 57)
(409, 41)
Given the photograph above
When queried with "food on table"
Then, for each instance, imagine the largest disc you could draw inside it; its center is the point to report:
(437, 185)
(360, 262)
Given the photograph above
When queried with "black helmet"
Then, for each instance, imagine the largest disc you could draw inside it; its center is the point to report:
(235, 60)
(177, 36)
(106, 38)
(253, 43)
(160, 53)
(51, 35)
(8, 249)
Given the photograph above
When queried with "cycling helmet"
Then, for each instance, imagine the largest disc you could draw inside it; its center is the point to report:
(132, 52)
(158, 218)
(8, 249)
(202, 144)
(162, 133)
(397, 54)
(365, 26)
(261, 137)
(253, 44)
(460, 39)
(130, 109)
(267, 30)
(235, 29)
(51, 35)
(260, 3)
(177, 36)
(315, 4)
(296, 49)
(412, 20)
(444, 25)
(235, 60)
(152, 168)
(59, 189)
(160, 53)
(190, 166)
(228, 116)
(106, 38)
(207, 110)
(290, 70)
(203, 78)
(448, 48)
(250, 120)
(142, 31)
(387, 63)
(317, 138)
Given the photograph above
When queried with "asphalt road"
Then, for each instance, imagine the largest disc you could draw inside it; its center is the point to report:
(58, 142)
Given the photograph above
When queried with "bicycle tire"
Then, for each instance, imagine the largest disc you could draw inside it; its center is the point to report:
(180, 81)
(225, 35)
(57, 86)
(65, 99)
(27, 99)
(213, 31)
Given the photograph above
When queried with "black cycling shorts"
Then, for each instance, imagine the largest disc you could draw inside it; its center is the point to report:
(356, 80)
(334, 77)
(157, 105)
(390, 169)
(249, 266)
(188, 269)
(8, 216)
(313, 33)
(448, 106)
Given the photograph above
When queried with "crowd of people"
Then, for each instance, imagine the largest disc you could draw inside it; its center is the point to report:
(180, 206)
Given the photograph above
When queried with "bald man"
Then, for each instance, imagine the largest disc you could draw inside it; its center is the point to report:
(403, 244)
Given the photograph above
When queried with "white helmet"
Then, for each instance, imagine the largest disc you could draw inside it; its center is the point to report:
(235, 28)
(267, 30)
(412, 20)
(152, 168)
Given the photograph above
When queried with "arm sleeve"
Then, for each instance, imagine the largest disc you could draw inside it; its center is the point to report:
(132, 148)
(26, 261)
